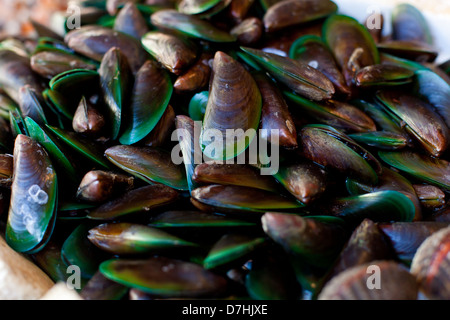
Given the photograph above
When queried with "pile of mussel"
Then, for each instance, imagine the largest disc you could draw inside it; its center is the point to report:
(360, 121)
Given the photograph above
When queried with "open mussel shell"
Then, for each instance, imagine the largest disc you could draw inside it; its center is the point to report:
(311, 49)
(383, 140)
(51, 63)
(149, 164)
(318, 240)
(82, 146)
(234, 103)
(128, 238)
(341, 115)
(100, 186)
(275, 114)
(79, 251)
(383, 75)
(101, 288)
(95, 41)
(297, 76)
(230, 248)
(73, 81)
(343, 35)
(424, 168)
(175, 53)
(164, 277)
(131, 22)
(330, 148)
(115, 78)
(141, 199)
(411, 50)
(431, 264)
(293, 12)
(409, 24)
(16, 72)
(395, 283)
(233, 174)
(238, 199)
(150, 98)
(381, 206)
(367, 243)
(190, 26)
(57, 155)
(304, 180)
(32, 208)
(435, 90)
(419, 118)
(406, 237)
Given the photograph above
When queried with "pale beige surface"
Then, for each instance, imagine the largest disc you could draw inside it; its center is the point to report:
(20, 279)
(60, 291)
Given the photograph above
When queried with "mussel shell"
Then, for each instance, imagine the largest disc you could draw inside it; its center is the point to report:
(330, 148)
(229, 248)
(275, 114)
(316, 241)
(100, 186)
(409, 24)
(101, 288)
(383, 75)
(95, 41)
(165, 277)
(6, 170)
(141, 199)
(188, 25)
(431, 264)
(31, 105)
(419, 118)
(343, 35)
(406, 237)
(298, 76)
(87, 119)
(150, 98)
(412, 50)
(249, 31)
(197, 105)
(234, 103)
(237, 199)
(367, 243)
(6, 105)
(33, 197)
(196, 77)
(435, 90)
(163, 129)
(396, 283)
(381, 139)
(305, 181)
(430, 197)
(148, 164)
(341, 115)
(232, 174)
(175, 53)
(424, 168)
(83, 147)
(16, 72)
(131, 22)
(293, 12)
(51, 63)
(128, 238)
(310, 49)
(196, 6)
(115, 78)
